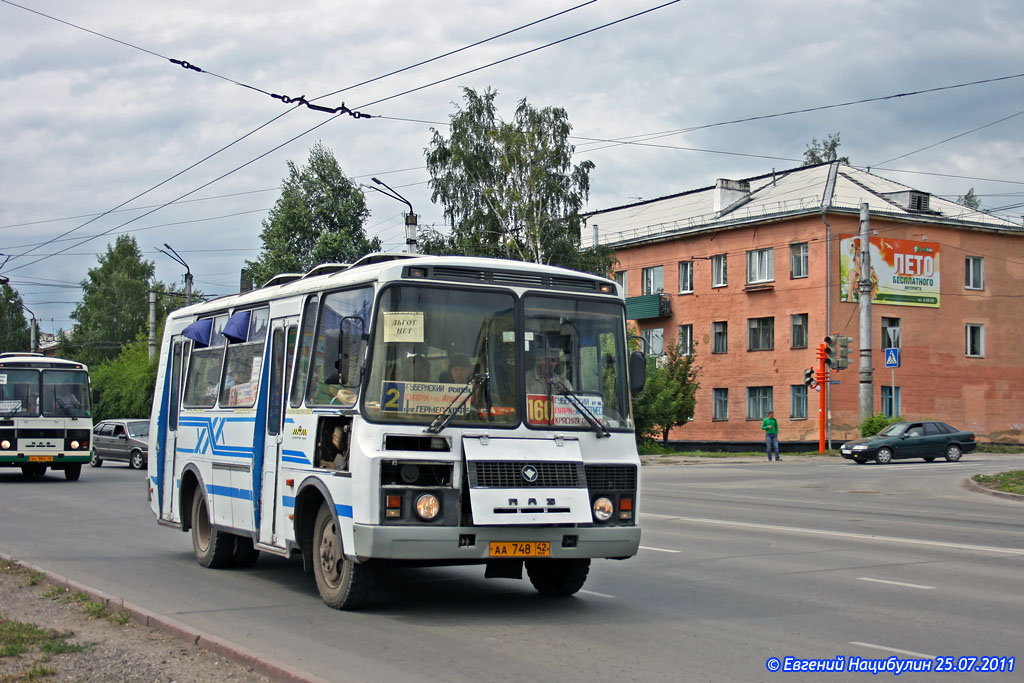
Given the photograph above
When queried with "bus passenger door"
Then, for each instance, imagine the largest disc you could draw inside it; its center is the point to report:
(282, 347)
(168, 509)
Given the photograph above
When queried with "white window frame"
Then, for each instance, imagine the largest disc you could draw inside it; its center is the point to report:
(755, 331)
(719, 270)
(802, 319)
(722, 325)
(974, 340)
(888, 409)
(759, 402)
(622, 277)
(720, 405)
(653, 280)
(798, 260)
(760, 265)
(686, 277)
(684, 342)
(974, 272)
(655, 338)
(798, 402)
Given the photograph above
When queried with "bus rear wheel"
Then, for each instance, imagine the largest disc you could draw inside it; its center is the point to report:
(245, 552)
(214, 549)
(73, 472)
(558, 577)
(342, 583)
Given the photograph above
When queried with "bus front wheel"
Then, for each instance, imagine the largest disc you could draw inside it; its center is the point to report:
(213, 549)
(342, 583)
(33, 471)
(73, 472)
(558, 577)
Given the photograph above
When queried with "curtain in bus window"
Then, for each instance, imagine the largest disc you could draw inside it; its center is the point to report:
(237, 327)
(199, 331)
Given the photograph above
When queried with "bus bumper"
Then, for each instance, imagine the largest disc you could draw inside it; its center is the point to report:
(50, 461)
(473, 543)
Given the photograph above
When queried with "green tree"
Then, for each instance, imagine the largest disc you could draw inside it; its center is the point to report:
(509, 189)
(970, 200)
(826, 150)
(115, 304)
(670, 395)
(317, 219)
(15, 334)
(125, 384)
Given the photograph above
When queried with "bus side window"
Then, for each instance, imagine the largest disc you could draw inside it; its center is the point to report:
(332, 443)
(305, 351)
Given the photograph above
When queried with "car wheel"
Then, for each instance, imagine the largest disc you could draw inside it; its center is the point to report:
(73, 472)
(953, 452)
(929, 459)
(137, 462)
(884, 456)
(95, 460)
(342, 583)
(213, 548)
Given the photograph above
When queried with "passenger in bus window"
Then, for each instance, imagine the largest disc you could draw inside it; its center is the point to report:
(458, 371)
(545, 369)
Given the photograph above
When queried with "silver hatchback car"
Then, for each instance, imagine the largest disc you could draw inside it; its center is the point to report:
(125, 440)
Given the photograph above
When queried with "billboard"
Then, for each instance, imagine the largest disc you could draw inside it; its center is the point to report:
(903, 272)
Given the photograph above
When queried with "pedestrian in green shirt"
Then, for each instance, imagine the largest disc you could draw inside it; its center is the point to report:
(771, 435)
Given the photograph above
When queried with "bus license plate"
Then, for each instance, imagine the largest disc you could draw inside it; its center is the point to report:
(520, 549)
(40, 458)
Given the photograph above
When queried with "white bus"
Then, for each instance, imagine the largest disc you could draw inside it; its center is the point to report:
(427, 410)
(45, 414)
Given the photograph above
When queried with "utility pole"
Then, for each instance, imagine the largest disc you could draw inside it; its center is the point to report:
(33, 330)
(867, 406)
(411, 226)
(826, 201)
(188, 271)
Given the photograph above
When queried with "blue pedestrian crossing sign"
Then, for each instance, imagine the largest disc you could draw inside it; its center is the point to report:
(892, 358)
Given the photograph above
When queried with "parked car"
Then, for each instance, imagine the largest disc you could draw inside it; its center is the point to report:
(125, 440)
(928, 440)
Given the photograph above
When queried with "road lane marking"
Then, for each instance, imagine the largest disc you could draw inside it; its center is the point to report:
(895, 583)
(600, 595)
(909, 653)
(659, 550)
(847, 534)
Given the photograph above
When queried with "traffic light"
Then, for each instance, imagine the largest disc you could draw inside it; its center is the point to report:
(844, 352)
(832, 351)
(809, 378)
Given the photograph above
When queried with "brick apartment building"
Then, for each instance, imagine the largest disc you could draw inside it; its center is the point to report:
(756, 272)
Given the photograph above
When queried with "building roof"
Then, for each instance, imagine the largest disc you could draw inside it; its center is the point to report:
(776, 195)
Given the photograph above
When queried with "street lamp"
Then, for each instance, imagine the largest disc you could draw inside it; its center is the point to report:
(188, 272)
(34, 343)
(410, 218)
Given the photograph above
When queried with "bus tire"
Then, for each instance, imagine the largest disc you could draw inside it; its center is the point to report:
(33, 471)
(213, 548)
(342, 583)
(245, 552)
(73, 472)
(558, 577)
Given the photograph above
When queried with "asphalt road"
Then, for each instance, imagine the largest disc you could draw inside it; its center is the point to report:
(740, 562)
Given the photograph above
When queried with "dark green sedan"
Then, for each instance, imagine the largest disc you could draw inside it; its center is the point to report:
(928, 440)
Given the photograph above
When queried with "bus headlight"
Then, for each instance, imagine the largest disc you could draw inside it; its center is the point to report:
(74, 445)
(5, 445)
(428, 506)
(603, 509)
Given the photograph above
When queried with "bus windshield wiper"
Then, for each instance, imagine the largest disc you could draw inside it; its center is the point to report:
(574, 399)
(65, 407)
(442, 419)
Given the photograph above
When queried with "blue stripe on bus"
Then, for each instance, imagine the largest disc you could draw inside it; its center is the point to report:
(342, 510)
(295, 456)
(228, 492)
(210, 432)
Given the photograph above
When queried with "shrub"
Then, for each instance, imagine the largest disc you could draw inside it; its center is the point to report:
(876, 423)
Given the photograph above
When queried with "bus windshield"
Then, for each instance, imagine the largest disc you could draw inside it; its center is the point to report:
(429, 343)
(65, 393)
(19, 393)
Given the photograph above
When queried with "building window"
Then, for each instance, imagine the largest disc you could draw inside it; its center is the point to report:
(759, 402)
(890, 401)
(798, 331)
(798, 260)
(890, 333)
(761, 334)
(720, 337)
(719, 274)
(798, 401)
(685, 277)
(975, 340)
(654, 280)
(620, 278)
(720, 404)
(759, 266)
(685, 341)
(655, 339)
(974, 272)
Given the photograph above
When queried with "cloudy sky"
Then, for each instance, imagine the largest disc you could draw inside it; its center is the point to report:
(90, 123)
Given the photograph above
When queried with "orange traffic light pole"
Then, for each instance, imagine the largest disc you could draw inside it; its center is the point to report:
(823, 386)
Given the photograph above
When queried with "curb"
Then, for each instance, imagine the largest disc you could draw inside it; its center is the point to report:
(972, 485)
(270, 668)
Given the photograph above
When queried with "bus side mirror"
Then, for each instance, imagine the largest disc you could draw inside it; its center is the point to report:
(95, 396)
(351, 351)
(637, 372)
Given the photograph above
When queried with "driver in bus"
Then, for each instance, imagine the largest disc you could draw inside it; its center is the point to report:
(545, 369)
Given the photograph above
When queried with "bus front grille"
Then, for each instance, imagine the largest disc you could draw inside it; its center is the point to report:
(506, 474)
(611, 477)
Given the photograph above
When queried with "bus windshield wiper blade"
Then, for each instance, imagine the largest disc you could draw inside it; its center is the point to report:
(574, 399)
(442, 419)
(65, 407)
